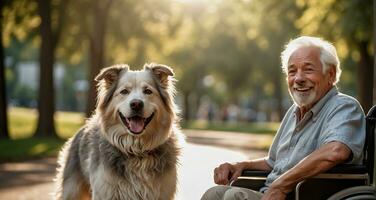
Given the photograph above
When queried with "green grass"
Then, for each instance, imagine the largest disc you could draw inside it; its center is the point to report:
(29, 148)
(243, 127)
(68, 123)
(22, 124)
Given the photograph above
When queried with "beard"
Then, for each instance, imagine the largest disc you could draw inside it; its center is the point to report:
(302, 99)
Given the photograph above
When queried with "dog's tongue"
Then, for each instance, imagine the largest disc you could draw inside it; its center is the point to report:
(136, 124)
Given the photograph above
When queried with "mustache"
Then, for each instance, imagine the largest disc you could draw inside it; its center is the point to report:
(302, 85)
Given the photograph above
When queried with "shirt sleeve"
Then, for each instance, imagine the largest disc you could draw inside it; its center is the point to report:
(346, 124)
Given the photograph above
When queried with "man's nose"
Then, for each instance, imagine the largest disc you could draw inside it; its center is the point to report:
(300, 76)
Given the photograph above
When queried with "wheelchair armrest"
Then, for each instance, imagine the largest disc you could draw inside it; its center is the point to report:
(255, 173)
(347, 169)
(334, 180)
(255, 180)
(251, 179)
(339, 169)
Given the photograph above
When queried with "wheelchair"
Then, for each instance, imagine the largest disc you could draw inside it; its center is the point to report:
(344, 181)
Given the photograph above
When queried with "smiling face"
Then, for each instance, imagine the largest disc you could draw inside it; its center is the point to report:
(138, 100)
(307, 82)
(135, 110)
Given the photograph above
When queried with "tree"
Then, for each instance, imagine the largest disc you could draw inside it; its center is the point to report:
(346, 22)
(20, 31)
(97, 48)
(358, 35)
(50, 37)
(271, 38)
(4, 133)
(128, 20)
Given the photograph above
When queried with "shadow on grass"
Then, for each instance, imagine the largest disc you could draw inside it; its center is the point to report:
(29, 148)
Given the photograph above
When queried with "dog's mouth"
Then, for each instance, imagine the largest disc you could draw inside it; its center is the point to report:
(135, 124)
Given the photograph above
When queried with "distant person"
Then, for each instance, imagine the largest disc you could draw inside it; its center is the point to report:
(322, 129)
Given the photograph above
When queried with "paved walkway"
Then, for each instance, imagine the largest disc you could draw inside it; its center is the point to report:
(205, 150)
(232, 140)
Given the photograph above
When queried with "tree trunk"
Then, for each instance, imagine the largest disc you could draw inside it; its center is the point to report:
(4, 133)
(46, 96)
(365, 77)
(97, 53)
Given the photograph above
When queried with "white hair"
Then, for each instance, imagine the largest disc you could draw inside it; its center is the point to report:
(328, 53)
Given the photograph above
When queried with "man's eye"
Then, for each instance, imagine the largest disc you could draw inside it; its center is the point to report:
(124, 92)
(148, 91)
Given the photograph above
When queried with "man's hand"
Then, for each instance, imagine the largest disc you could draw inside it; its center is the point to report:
(277, 191)
(322, 159)
(227, 172)
(274, 194)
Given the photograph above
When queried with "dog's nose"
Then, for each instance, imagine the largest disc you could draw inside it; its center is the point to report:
(137, 105)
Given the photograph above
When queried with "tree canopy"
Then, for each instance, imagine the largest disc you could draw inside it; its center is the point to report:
(224, 51)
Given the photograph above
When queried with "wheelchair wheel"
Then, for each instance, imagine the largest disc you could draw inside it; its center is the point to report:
(355, 193)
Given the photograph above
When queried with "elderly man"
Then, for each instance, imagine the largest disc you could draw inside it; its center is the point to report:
(322, 129)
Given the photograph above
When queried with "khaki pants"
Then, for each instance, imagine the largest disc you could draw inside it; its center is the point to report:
(223, 192)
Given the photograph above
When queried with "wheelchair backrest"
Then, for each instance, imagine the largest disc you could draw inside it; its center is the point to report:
(369, 146)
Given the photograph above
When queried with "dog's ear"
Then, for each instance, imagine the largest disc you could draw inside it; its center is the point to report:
(111, 74)
(161, 72)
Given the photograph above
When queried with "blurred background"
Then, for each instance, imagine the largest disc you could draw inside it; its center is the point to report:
(225, 54)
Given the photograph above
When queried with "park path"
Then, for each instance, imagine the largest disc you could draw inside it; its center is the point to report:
(32, 180)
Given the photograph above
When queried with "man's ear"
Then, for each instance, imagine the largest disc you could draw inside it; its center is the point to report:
(332, 73)
(161, 72)
(110, 74)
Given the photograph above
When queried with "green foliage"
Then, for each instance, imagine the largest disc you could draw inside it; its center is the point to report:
(21, 21)
(25, 95)
(238, 43)
(349, 19)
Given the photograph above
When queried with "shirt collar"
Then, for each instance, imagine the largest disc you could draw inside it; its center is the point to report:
(318, 106)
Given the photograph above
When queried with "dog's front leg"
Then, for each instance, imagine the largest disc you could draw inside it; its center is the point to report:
(85, 192)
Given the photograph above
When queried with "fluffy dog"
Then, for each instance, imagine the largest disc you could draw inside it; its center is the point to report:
(129, 148)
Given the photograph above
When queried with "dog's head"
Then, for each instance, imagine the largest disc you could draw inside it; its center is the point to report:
(136, 104)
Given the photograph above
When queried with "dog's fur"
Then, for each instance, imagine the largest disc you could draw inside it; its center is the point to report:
(118, 154)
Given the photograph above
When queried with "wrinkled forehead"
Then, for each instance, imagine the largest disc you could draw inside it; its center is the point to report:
(136, 78)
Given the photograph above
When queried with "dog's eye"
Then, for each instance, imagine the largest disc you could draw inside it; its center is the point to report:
(148, 91)
(124, 92)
